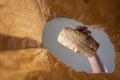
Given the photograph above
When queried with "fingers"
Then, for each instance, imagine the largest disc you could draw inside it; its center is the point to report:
(87, 32)
(78, 27)
(83, 29)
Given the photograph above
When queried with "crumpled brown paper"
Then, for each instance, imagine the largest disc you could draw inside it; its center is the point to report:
(22, 56)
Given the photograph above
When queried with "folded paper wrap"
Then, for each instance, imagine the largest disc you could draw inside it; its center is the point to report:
(78, 41)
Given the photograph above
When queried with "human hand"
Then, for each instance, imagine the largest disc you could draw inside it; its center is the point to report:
(83, 29)
(94, 61)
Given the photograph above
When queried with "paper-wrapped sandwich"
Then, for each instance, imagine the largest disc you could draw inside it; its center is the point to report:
(78, 41)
